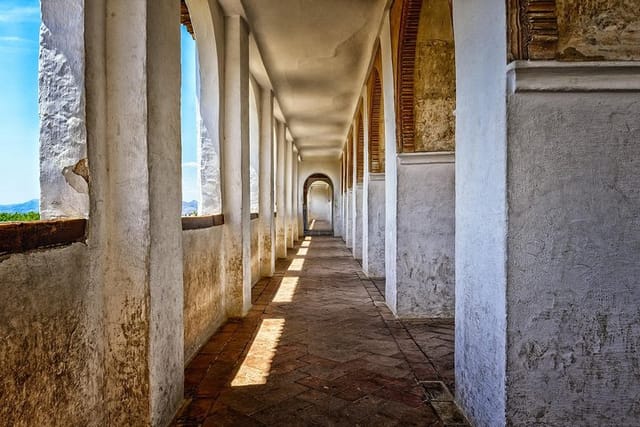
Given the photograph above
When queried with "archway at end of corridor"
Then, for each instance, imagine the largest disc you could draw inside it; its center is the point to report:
(317, 207)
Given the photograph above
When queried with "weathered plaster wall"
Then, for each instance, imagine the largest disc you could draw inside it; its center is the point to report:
(255, 251)
(480, 225)
(52, 344)
(599, 29)
(434, 79)
(425, 220)
(204, 287)
(358, 223)
(374, 264)
(64, 173)
(573, 331)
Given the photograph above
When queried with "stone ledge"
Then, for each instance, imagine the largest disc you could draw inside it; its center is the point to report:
(555, 76)
(198, 222)
(442, 157)
(16, 237)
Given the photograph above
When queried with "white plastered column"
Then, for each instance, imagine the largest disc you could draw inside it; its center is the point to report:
(390, 194)
(288, 192)
(358, 189)
(267, 224)
(235, 151)
(295, 195)
(281, 216)
(135, 234)
(419, 219)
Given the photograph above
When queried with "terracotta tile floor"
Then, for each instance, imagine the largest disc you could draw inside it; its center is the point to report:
(320, 348)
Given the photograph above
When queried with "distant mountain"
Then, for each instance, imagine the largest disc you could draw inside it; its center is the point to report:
(30, 206)
(189, 208)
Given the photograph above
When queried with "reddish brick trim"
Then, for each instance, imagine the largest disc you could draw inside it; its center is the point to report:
(16, 237)
(410, 23)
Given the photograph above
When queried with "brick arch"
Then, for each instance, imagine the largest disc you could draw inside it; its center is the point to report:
(405, 69)
(376, 121)
(424, 75)
(360, 147)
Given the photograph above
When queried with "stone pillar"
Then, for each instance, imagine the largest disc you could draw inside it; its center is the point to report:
(64, 173)
(281, 216)
(236, 194)
(358, 189)
(267, 222)
(135, 234)
(288, 192)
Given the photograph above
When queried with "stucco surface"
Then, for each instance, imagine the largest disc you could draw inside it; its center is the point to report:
(64, 174)
(425, 226)
(357, 220)
(255, 251)
(434, 79)
(599, 29)
(374, 264)
(574, 279)
(204, 287)
(480, 38)
(50, 323)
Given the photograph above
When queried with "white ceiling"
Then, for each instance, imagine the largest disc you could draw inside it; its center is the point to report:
(316, 54)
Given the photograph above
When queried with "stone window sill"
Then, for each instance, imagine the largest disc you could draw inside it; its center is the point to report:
(17, 237)
(199, 222)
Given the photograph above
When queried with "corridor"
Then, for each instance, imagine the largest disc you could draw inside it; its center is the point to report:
(320, 347)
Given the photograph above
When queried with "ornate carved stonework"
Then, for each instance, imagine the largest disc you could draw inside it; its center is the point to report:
(533, 29)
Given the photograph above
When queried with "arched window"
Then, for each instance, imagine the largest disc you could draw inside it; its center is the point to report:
(196, 16)
(189, 112)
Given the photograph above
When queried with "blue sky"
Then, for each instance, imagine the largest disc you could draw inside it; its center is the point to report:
(19, 29)
(19, 171)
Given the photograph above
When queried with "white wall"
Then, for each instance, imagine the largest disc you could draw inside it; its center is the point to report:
(319, 202)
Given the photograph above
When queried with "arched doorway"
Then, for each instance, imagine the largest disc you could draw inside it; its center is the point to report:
(317, 208)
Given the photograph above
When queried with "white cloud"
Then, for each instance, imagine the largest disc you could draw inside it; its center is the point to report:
(190, 165)
(13, 39)
(15, 14)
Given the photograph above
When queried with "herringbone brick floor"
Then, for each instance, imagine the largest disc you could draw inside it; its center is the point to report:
(320, 348)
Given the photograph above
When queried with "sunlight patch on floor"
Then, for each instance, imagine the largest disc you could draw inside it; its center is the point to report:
(286, 290)
(296, 264)
(305, 244)
(302, 252)
(256, 365)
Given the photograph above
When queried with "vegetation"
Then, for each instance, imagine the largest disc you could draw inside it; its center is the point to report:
(28, 216)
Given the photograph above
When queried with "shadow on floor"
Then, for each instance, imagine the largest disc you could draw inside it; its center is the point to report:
(319, 347)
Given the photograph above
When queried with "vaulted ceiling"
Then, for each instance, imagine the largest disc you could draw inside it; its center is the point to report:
(316, 53)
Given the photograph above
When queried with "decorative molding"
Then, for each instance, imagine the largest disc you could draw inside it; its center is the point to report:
(533, 29)
(555, 76)
(430, 158)
(376, 176)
